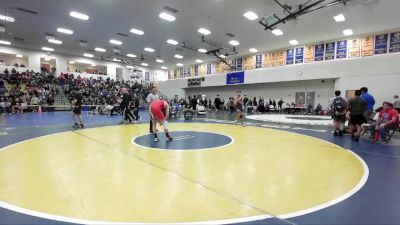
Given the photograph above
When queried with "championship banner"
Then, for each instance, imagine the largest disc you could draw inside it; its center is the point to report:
(147, 76)
(281, 58)
(309, 54)
(212, 68)
(203, 70)
(249, 63)
(381, 44)
(367, 46)
(273, 56)
(235, 78)
(239, 64)
(258, 61)
(208, 68)
(196, 71)
(319, 52)
(289, 56)
(265, 60)
(299, 55)
(394, 45)
(330, 51)
(175, 73)
(354, 48)
(341, 51)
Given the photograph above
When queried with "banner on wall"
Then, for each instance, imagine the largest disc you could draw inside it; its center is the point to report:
(299, 55)
(273, 56)
(354, 48)
(249, 63)
(309, 54)
(289, 56)
(196, 71)
(341, 50)
(281, 58)
(208, 68)
(146, 76)
(381, 44)
(367, 46)
(330, 51)
(265, 62)
(235, 78)
(258, 61)
(239, 64)
(394, 45)
(212, 68)
(319, 52)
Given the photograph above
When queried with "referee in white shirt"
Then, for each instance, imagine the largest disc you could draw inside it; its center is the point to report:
(150, 98)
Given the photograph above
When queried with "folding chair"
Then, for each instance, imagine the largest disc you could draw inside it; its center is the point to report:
(391, 132)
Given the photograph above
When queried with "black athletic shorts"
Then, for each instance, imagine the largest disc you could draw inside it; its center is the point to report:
(357, 119)
(77, 110)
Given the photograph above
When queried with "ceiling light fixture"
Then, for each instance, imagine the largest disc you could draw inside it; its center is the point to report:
(339, 18)
(48, 49)
(277, 32)
(293, 42)
(202, 50)
(253, 50)
(136, 31)
(204, 31)
(234, 43)
(250, 15)
(348, 32)
(65, 31)
(115, 42)
(178, 56)
(167, 17)
(116, 60)
(19, 56)
(79, 15)
(172, 42)
(144, 64)
(54, 41)
(88, 55)
(164, 67)
(5, 42)
(159, 60)
(131, 55)
(100, 50)
(199, 61)
(7, 18)
(147, 49)
(179, 64)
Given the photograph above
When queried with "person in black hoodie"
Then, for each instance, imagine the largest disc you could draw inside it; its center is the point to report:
(125, 106)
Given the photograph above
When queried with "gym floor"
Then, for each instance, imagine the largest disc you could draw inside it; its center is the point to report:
(214, 172)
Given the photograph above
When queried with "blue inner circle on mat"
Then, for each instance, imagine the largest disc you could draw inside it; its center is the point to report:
(184, 140)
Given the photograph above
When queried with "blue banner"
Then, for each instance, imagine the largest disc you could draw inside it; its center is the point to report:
(299, 55)
(319, 52)
(196, 71)
(394, 42)
(209, 68)
(289, 56)
(188, 71)
(239, 64)
(235, 78)
(330, 51)
(258, 61)
(381, 44)
(341, 51)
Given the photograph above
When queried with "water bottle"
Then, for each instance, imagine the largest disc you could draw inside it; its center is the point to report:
(376, 135)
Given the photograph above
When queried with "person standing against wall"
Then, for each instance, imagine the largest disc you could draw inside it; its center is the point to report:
(151, 97)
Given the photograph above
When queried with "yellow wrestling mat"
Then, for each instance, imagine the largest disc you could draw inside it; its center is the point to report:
(100, 175)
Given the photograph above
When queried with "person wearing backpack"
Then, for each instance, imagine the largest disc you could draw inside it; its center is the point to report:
(357, 107)
(338, 106)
